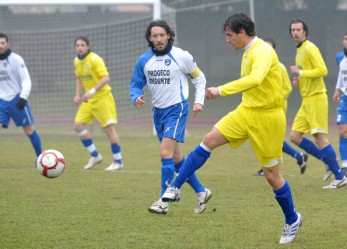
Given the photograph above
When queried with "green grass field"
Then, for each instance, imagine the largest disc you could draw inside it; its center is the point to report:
(98, 209)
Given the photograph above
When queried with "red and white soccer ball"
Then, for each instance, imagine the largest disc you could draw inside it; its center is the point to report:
(50, 163)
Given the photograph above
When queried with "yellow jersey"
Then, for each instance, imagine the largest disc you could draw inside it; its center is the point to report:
(261, 79)
(310, 61)
(90, 70)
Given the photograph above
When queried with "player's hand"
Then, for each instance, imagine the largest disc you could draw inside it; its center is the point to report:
(296, 82)
(140, 102)
(197, 108)
(336, 96)
(21, 103)
(77, 100)
(295, 70)
(212, 93)
(86, 97)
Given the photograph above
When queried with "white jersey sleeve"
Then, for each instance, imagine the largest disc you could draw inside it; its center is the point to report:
(342, 77)
(166, 78)
(14, 78)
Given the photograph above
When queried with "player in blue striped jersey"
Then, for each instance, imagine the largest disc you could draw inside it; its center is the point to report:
(15, 88)
(164, 69)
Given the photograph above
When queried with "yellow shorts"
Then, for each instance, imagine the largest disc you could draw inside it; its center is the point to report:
(265, 130)
(102, 109)
(285, 106)
(313, 115)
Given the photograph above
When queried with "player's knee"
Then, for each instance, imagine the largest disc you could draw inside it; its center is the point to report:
(294, 138)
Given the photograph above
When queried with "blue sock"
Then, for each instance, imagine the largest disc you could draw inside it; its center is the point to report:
(167, 173)
(343, 149)
(193, 180)
(89, 144)
(312, 149)
(193, 162)
(36, 142)
(330, 159)
(284, 198)
(292, 152)
(117, 156)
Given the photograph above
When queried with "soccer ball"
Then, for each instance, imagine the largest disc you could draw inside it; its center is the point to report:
(50, 163)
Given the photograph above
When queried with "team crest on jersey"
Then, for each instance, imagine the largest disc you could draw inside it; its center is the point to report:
(167, 62)
(5, 64)
(87, 67)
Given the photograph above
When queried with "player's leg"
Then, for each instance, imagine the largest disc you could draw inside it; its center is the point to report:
(88, 143)
(25, 119)
(330, 159)
(115, 148)
(267, 144)
(341, 121)
(193, 162)
(34, 138)
(203, 194)
(302, 126)
(170, 127)
(283, 195)
(104, 110)
(343, 146)
(301, 158)
(230, 129)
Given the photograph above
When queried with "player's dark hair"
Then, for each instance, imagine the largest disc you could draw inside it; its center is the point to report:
(82, 38)
(164, 25)
(271, 41)
(239, 21)
(298, 20)
(3, 35)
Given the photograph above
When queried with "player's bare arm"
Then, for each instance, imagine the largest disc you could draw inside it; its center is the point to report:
(197, 108)
(103, 81)
(212, 93)
(336, 96)
(79, 87)
(140, 102)
(296, 82)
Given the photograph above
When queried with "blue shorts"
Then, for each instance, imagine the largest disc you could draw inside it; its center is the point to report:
(341, 112)
(171, 122)
(8, 110)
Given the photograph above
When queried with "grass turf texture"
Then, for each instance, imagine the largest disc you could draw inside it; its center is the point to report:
(98, 209)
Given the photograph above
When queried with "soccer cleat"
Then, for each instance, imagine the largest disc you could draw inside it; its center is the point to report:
(303, 163)
(171, 194)
(259, 173)
(92, 161)
(327, 174)
(201, 201)
(344, 170)
(114, 166)
(289, 231)
(337, 183)
(159, 207)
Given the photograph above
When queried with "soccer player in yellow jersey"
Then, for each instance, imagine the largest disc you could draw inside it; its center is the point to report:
(96, 102)
(259, 118)
(286, 90)
(313, 113)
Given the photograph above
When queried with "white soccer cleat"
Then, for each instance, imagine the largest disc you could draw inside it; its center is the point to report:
(327, 174)
(201, 201)
(289, 231)
(114, 166)
(337, 183)
(159, 207)
(92, 161)
(171, 194)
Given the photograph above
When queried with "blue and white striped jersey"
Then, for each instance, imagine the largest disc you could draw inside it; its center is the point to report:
(14, 78)
(342, 77)
(167, 78)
